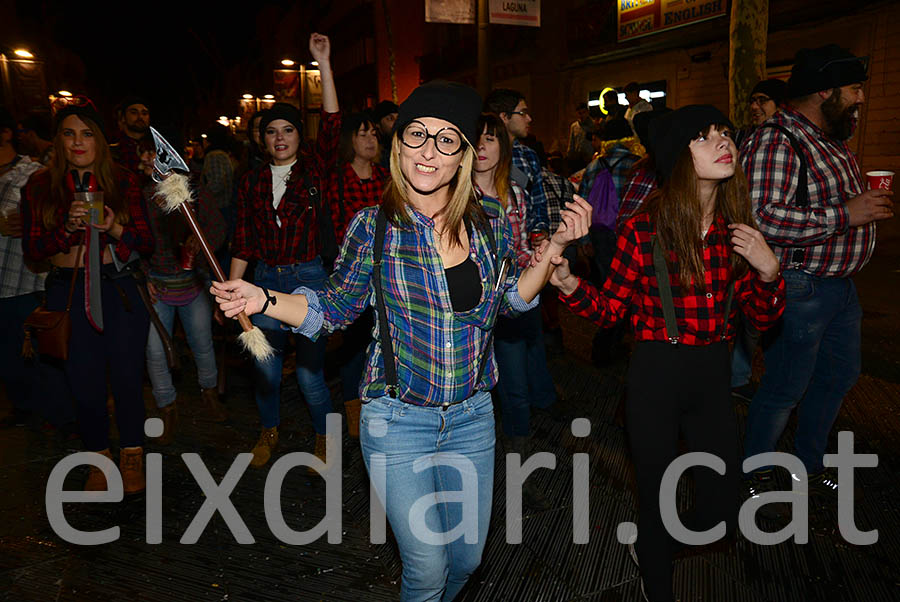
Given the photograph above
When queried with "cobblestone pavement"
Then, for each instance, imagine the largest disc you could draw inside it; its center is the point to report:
(36, 564)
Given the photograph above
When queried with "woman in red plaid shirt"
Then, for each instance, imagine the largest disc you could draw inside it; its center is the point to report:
(700, 225)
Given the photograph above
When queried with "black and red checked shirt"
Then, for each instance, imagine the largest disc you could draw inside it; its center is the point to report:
(257, 234)
(358, 194)
(632, 285)
(125, 150)
(40, 243)
(831, 246)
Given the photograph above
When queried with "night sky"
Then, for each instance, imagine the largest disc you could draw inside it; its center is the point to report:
(191, 60)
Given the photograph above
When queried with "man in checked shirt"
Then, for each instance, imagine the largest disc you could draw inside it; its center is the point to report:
(821, 241)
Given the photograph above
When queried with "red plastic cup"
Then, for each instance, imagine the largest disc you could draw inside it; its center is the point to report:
(880, 179)
(187, 258)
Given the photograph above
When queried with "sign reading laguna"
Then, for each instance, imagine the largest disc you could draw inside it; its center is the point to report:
(516, 12)
(644, 17)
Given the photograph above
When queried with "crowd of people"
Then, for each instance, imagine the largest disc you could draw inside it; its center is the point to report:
(426, 232)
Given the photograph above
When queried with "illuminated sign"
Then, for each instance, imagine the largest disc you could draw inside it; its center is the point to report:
(644, 17)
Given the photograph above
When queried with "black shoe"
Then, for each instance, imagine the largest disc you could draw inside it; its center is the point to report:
(823, 484)
(744, 393)
(534, 498)
(758, 483)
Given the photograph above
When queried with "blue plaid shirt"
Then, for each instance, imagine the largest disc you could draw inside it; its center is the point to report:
(620, 159)
(527, 160)
(437, 350)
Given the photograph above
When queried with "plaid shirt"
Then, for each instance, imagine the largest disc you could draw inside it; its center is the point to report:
(619, 159)
(40, 243)
(358, 194)
(15, 277)
(257, 235)
(437, 350)
(517, 214)
(639, 186)
(632, 285)
(559, 190)
(833, 248)
(170, 229)
(527, 161)
(218, 177)
(124, 149)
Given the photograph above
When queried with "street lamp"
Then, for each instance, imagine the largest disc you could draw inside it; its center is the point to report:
(269, 96)
(287, 62)
(22, 53)
(65, 93)
(314, 63)
(247, 97)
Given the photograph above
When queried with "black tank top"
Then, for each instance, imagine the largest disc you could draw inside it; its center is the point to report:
(464, 284)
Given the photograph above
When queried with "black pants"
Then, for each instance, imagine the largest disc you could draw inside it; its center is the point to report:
(117, 354)
(672, 389)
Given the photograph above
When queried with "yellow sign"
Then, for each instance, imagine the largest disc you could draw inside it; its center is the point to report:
(639, 18)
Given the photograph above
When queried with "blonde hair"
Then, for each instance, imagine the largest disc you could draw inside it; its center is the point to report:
(463, 207)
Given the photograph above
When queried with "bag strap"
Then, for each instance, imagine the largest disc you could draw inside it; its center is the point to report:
(74, 274)
(665, 290)
(387, 348)
(798, 255)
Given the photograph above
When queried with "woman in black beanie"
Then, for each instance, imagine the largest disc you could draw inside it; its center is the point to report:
(438, 264)
(691, 250)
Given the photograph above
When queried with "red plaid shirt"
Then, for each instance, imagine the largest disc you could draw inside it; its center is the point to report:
(257, 235)
(823, 229)
(358, 194)
(632, 285)
(40, 243)
(124, 149)
(639, 186)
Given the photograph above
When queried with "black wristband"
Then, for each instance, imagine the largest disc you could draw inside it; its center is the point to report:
(269, 299)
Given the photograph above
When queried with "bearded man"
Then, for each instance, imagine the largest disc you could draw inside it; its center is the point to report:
(813, 208)
(134, 123)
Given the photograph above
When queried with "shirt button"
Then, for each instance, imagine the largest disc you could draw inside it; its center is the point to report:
(449, 372)
(709, 295)
(448, 344)
(473, 256)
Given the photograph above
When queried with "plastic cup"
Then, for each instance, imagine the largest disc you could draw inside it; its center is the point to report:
(880, 179)
(187, 258)
(94, 203)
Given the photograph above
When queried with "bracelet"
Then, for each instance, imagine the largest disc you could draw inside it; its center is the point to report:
(269, 299)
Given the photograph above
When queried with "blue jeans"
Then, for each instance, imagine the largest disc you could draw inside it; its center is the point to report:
(813, 360)
(196, 318)
(742, 355)
(310, 354)
(525, 380)
(406, 444)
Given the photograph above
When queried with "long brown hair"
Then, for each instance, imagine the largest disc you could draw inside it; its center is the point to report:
(463, 206)
(675, 210)
(490, 123)
(104, 170)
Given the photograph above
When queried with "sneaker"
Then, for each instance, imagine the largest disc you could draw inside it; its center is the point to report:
(757, 483)
(823, 484)
(744, 393)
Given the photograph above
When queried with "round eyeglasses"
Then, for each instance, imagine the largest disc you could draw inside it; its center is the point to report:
(447, 141)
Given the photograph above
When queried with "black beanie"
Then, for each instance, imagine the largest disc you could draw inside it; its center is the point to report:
(281, 110)
(456, 103)
(672, 133)
(383, 109)
(824, 68)
(85, 111)
(775, 89)
(132, 100)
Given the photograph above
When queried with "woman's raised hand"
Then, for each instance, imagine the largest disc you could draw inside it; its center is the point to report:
(575, 221)
(320, 48)
(748, 242)
(236, 296)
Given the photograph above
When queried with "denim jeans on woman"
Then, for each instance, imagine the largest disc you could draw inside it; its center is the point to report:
(812, 362)
(196, 318)
(310, 355)
(420, 452)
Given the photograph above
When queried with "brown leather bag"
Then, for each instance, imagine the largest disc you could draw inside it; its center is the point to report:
(52, 329)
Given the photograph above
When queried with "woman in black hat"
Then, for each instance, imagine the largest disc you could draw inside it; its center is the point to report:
(438, 263)
(692, 249)
(281, 212)
(112, 340)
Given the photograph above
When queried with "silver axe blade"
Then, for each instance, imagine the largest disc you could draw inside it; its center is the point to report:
(167, 158)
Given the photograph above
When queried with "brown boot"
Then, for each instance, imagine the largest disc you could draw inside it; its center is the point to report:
(262, 452)
(96, 480)
(131, 465)
(169, 415)
(215, 411)
(352, 409)
(319, 452)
